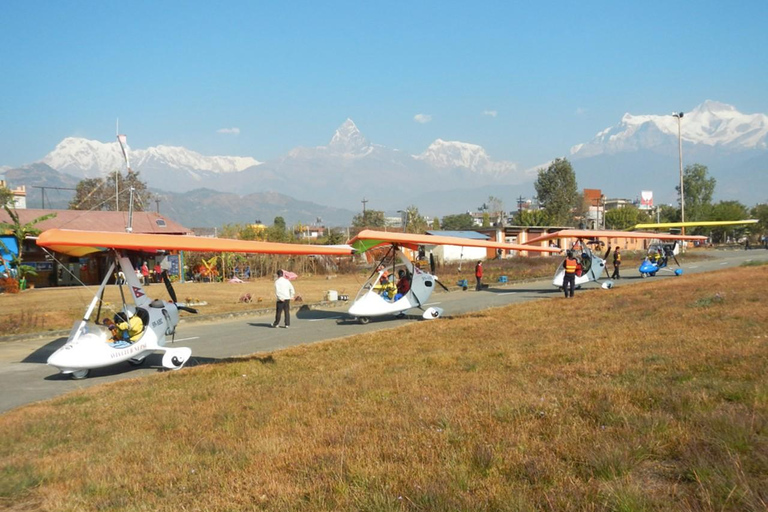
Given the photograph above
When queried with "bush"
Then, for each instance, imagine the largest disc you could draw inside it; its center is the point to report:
(9, 285)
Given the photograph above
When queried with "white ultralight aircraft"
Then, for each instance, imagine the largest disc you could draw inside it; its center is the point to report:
(379, 297)
(90, 344)
(586, 247)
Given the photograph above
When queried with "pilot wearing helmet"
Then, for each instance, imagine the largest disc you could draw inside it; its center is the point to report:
(129, 329)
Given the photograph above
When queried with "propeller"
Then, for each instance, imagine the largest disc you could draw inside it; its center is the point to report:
(441, 284)
(172, 294)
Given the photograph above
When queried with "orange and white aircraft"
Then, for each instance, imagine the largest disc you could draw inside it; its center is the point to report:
(586, 245)
(379, 296)
(92, 345)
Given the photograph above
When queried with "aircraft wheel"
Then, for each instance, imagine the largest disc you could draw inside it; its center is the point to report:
(80, 374)
(363, 320)
(653, 274)
(137, 362)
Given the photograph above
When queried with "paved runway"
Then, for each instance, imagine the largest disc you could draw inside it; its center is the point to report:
(25, 378)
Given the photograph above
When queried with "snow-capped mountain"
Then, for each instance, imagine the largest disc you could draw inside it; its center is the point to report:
(92, 158)
(641, 153)
(443, 154)
(349, 141)
(710, 124)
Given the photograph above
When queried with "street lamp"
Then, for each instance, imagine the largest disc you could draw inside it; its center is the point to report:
(679, 117)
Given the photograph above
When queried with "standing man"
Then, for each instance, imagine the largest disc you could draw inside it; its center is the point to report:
(479, 275)
(284, 292)
(569, 279)
(145, 274)
(616, 263)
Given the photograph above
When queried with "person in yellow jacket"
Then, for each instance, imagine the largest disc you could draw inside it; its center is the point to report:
(569, 279)
(386, 288)
(129, 329)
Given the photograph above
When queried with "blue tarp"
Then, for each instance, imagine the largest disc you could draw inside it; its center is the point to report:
(11, 243)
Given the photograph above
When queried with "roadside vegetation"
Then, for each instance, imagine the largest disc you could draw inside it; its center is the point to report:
(649, 397)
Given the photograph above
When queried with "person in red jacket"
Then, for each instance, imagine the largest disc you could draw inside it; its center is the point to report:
(479, 275)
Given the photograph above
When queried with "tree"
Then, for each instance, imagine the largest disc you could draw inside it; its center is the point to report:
(369, 219)
(531, 218)
(728, 210)
(698, 192)
(460, 222)
(435, 223)
(415, 223)
(557, 191)
(277, 232)
(6, 196)
(335, 237)
(760, 212)
(496, 210)
(99, 193)
(624, 218)
(668, 213)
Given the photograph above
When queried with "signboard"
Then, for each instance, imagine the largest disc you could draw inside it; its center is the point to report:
(173, 259)
(646, 200)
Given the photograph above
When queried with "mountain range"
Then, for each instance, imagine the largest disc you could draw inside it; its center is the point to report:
(638, 153)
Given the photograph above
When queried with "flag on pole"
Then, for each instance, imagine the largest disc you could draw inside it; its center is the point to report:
(123, 140)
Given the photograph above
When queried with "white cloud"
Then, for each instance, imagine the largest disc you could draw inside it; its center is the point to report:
(231, 131)
(490, 113)
(580, 111)
(422, 118)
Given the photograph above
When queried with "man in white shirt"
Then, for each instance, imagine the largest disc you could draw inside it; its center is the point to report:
(284, 292)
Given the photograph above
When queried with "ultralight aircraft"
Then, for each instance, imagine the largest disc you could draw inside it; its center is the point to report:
(91, 344)
(587, 244)
(378, 295)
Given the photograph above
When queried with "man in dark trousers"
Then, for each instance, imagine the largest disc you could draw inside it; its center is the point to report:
(569, 279)
(284, 292)
(479, 275)
(616, 264)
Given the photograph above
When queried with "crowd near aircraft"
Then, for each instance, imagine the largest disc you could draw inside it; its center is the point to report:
(586, 248)
(379, 296)
(148, 323)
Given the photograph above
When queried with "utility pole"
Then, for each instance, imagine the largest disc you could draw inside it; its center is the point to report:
(679, 117)
(157, 204)
(364, 201)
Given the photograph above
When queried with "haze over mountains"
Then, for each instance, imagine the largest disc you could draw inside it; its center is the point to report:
(639, 153)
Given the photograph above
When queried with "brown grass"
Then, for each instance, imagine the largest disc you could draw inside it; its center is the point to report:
(661, 403)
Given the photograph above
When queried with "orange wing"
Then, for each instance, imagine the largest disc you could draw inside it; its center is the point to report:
(368, 239)
(79, 243)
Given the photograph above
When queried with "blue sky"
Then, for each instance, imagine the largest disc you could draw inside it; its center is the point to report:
(524, 81)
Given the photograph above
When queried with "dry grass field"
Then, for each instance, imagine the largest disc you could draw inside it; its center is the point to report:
(651, 397)
(47, 309)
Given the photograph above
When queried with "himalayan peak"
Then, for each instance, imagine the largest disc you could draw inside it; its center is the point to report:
(711, 124)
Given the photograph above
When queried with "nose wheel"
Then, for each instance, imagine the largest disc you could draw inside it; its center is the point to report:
(80, 374)
(363, 319)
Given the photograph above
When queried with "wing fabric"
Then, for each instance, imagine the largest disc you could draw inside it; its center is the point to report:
(80, 243)
(368, 239)
(694, 224)
(586, 233)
